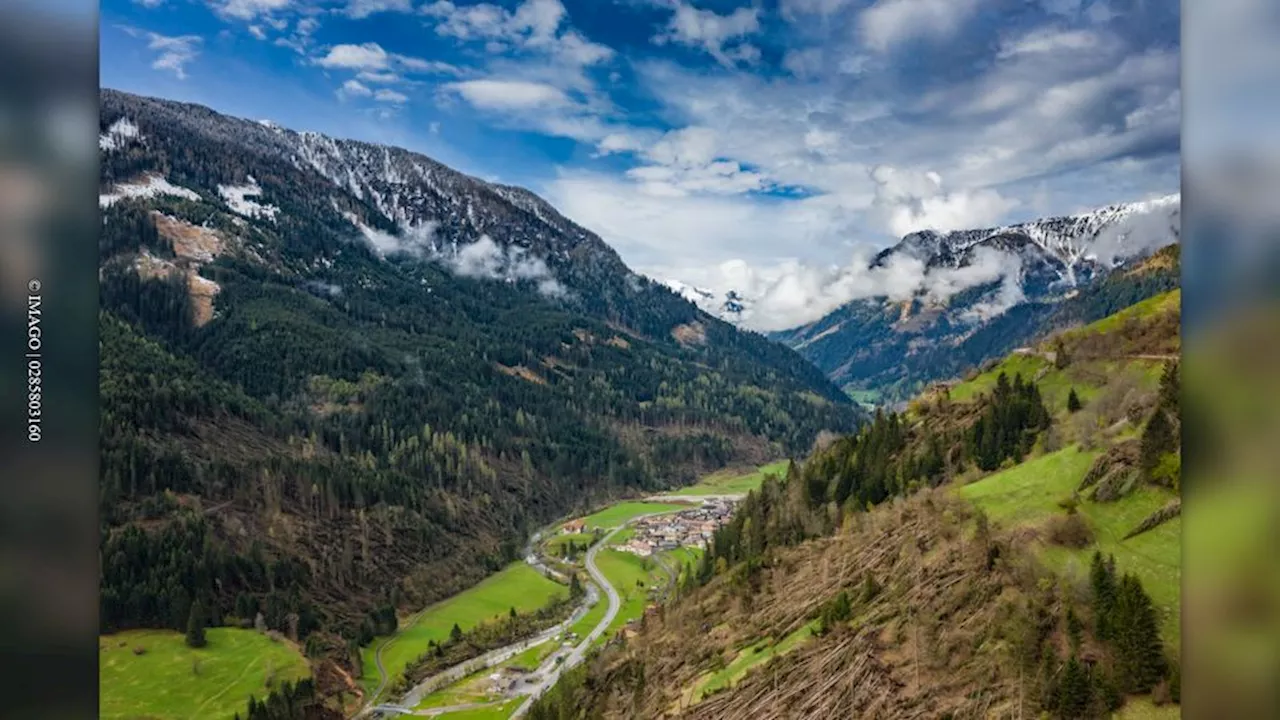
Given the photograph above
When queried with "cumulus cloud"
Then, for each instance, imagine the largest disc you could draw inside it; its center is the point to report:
(367, 56)
(908, 201)
(712, 32)
(487, 259)
(353, 89)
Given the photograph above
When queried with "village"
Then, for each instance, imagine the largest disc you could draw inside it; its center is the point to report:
(686, 528)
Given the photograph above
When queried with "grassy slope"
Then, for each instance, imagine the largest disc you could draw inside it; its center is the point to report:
(1086, 376)
(615, 515)
(518, 586)
(161, 683)
(1148, 308)
(1027, 495)
(730, 481)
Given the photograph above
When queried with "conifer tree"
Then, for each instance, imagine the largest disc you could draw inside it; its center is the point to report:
(1073, 401)
(1074, 691)
(1103, 582)
(1157, 439)
(195, 626)
(1140, 660)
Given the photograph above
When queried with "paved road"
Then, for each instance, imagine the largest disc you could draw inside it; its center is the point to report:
(503, 654)
(579, 653)
(551, 671)
(498, 656)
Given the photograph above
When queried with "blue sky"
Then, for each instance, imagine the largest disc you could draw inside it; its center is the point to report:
(719, 142)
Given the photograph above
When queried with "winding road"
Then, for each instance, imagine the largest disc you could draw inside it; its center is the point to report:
(551, 670)
(579, 653)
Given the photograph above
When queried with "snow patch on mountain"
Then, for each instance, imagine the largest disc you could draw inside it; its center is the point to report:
(149, 186)
(120, 134)
(237, 198)
(729, 305)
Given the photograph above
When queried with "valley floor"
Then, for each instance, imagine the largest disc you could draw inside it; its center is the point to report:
(501, 684)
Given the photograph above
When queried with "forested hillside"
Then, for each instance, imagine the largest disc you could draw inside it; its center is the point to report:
(339, 379)
(1008, 545)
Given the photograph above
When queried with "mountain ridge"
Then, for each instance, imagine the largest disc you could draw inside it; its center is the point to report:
(300, 422)
(1018, 281)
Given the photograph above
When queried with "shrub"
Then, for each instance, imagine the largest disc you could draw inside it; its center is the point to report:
(1069, 530)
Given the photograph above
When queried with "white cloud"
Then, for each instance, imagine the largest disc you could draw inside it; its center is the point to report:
(257, 32)
(705, 29)
(249, 9)
(685, 161)
(795, 9)
(368, 56)
(149, 4)
(534, 26)
(175, 53)
(1050, 41)
(300, 40)
(793, 293)
(679, 231)
(359, 9)
(353, 89)
(374, 76)
(508, 94)
(418, 65)
(909, 201)
(390, 96)
(890, 22)
(486, 259)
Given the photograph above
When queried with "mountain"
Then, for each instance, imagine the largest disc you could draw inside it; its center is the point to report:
(341, 379)
(988, 291)
(1008, 546)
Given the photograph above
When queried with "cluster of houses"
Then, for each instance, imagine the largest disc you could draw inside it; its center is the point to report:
(686, 528)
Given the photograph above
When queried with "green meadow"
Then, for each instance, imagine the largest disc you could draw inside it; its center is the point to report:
(518, 586)
(1029, 494)
(624, 570)
(171, 680)
(616, 515)
(727, 482)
